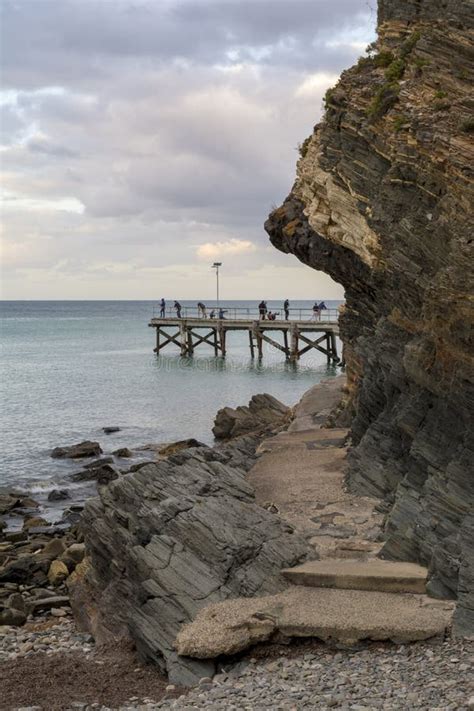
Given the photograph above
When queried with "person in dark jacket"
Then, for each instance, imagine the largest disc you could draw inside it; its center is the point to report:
(262, 309)
(162, 308)
(177, 306)
(286, 309)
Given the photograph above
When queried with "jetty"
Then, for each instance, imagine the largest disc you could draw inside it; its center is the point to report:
(299, 334)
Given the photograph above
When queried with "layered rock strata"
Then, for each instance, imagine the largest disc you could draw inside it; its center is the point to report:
(382, 203)
(169, 539)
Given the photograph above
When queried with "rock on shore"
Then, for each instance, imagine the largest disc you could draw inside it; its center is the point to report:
(263, 411)
(170, 538)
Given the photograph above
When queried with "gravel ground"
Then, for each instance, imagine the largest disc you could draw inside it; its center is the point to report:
(49, 637)
(432, 676)
(426, 676)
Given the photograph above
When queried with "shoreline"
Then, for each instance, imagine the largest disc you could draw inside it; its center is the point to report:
(268, 676)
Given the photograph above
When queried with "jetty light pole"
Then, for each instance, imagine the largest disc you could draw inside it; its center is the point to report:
(216, 266)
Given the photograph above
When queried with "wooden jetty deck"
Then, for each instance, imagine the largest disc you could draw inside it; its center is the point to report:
(299, 336)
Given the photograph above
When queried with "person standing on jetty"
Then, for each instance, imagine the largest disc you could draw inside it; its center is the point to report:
(286, 309)
(162, 308)
(202, 309)
(316, 312)
(262, 309)
(177, 306)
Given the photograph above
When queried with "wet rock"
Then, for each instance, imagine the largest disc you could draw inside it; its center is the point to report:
(11, 502)
(77, 451)
(175, 447)
(262, 411)
(102, 473)
(16, 536)
(58, 495)
(110, 430)
(123, 453)
(169, 538)
(35, 522)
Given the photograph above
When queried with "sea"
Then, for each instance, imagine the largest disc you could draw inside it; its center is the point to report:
(70, 368)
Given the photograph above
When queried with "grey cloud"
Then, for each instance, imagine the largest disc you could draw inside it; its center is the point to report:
(121, 105)
(46, 41)
(50, 149)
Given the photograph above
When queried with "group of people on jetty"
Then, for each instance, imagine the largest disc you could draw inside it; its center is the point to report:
(263, 311)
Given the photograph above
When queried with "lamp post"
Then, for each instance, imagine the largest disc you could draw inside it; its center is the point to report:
(216, 266)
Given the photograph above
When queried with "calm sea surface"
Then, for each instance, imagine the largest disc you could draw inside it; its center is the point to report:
(70, 368)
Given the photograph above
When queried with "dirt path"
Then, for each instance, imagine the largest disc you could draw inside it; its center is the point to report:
(301, 473)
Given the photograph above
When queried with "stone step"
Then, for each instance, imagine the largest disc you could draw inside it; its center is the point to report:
(345, 616)
(374, 575)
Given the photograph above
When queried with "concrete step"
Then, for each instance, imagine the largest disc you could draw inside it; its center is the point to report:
(345, 616)
(374, 575)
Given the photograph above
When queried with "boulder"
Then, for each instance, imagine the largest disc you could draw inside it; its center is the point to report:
(123, 453)
(175, 447)
(102, 474)
(26, 569)
(57, 572)
(58, 495)
(263, 412)
(53, 549)
(34, 522)
(12, 616)
(77, 451)
(76, 551)
(11, 501)
(168, 539)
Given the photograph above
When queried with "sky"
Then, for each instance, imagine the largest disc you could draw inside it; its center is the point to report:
(142, 140)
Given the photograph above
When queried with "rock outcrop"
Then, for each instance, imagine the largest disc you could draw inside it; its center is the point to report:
(262, 412)
(77, 451)
(381, 203)
(170, 538)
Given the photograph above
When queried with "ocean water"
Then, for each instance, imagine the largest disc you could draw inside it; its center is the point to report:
(70, 368)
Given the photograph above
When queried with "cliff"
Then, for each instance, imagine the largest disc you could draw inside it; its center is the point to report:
(381, 202)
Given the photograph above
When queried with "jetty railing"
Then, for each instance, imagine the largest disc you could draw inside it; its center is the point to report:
(249, 313)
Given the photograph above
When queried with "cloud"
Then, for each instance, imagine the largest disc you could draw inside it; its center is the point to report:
(233, 247)
(141, 129)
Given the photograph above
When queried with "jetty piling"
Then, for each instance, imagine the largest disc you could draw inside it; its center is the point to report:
(299, 335)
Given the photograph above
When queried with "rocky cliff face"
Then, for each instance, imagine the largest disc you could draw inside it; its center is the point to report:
(381, 203)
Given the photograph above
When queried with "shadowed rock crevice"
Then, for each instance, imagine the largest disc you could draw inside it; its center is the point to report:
(382, 203)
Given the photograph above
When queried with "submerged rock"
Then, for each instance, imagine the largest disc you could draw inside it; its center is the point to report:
(77, 451)
(168, 539)
(110, 430)
(261, 412)
(58, 495)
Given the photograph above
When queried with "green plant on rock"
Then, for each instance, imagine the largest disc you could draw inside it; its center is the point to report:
(440, 94)
(328, 96)
(420, 62)
(399, 122)
(395, 70)
(409, 44)
(303, 147)
(363, 62)
(467, 126)
(383, 59)
(441, 105)
(385, 97)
